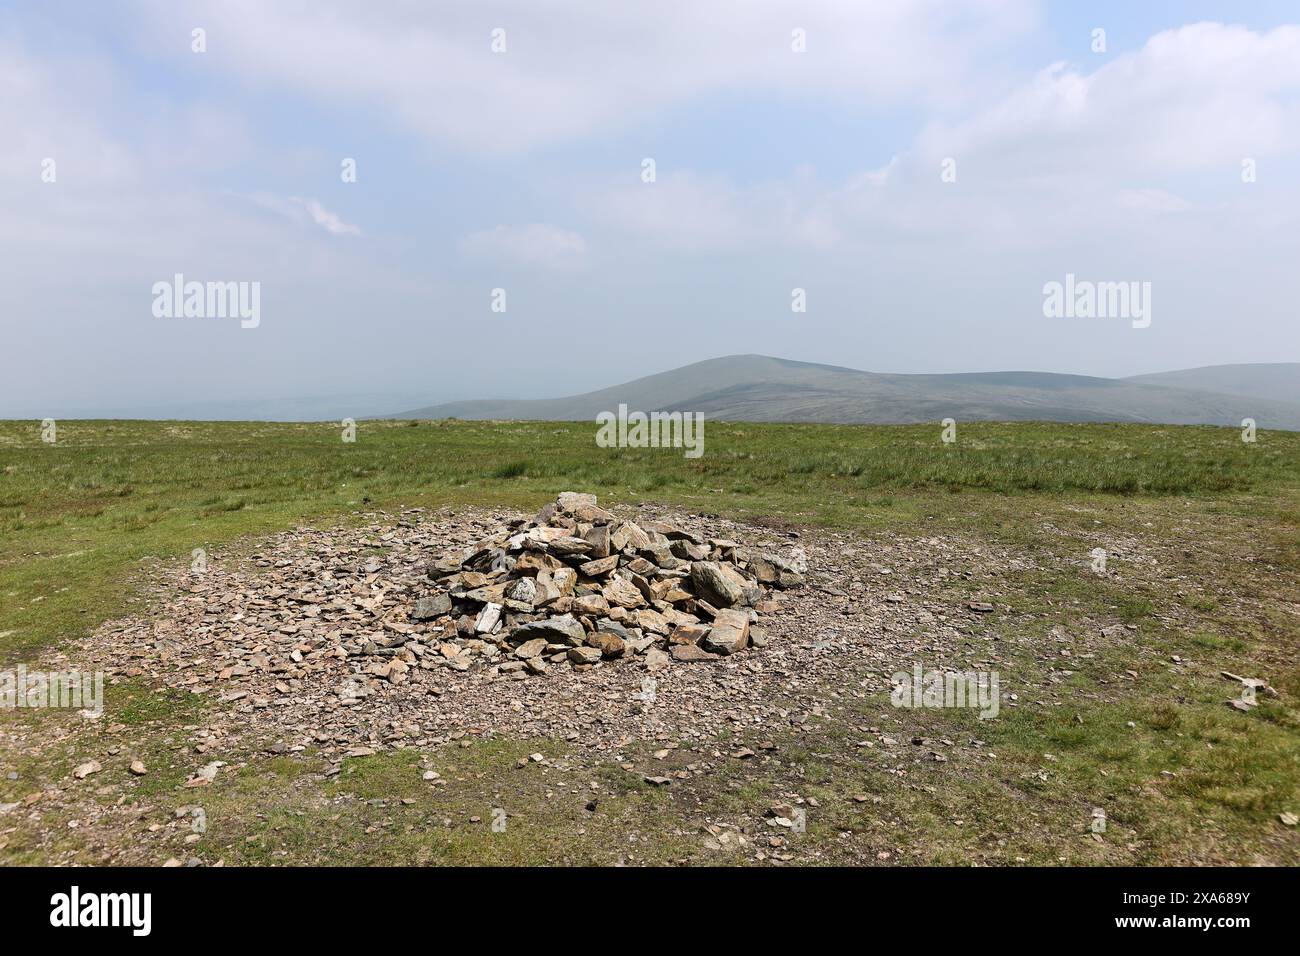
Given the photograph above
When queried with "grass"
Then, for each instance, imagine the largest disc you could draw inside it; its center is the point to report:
(1182, 777)
(78, 516)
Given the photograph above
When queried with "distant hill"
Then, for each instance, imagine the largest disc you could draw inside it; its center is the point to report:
(1278, 381)
(760, 388)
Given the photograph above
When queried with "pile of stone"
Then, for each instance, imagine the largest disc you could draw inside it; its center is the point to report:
(576, 585)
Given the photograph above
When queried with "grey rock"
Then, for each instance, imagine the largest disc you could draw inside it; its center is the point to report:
(431, 606)
(715, 585)
(563, 629)
(488, 618)
(606, 626)
(570, 545)
(524, 590)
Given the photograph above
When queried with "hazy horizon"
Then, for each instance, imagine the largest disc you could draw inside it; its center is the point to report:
(331, 407)
(917, 173)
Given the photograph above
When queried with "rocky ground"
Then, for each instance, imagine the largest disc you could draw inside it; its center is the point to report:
(265, 640)
(290, 647)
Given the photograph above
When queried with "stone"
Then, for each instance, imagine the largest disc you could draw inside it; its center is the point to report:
(568, 545)
(431, 606)
(566, 579)
(590, 605)
(530, 648)
(600, 567)
(591, 514)
(585, 655)
(672, 532)
(651, 621)
(492, 594)
(729, 634)
(564, 629)
(763, 569)
(687, 551)
(608, 626)
(488, 618)
(642, 566)
(571, 500)
(524, 590)
(689, 653)
(598, 538)
(788, 580)
(628, 536)
(624, 593)
(86, 769)
(610, 645)
(574, 583)
(688, 634)
(534, 562)
(715, 585)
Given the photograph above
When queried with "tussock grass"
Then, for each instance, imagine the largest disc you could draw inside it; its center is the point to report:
(118, 492)
(1186, 779)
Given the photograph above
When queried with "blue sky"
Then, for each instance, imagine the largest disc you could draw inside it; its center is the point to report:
(522, 170)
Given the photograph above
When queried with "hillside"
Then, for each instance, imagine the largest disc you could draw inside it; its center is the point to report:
(761, 388)
(1277, 381)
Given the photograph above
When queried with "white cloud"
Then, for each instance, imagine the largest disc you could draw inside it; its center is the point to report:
(577, 67)
(538, 245)
(38, 119)
(876, 177)
(1195, 98)
(1068, 157)
(1129, 169)
(302, 210)
(688, 213)
(1153, 200)
(327, 220)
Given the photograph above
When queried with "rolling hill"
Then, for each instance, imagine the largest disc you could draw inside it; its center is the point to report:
(761, 388)
(1278, 381)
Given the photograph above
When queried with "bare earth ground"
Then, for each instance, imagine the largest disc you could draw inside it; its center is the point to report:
(1111, 700)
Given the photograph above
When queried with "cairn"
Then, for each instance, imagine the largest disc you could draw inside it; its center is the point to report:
(576, 585)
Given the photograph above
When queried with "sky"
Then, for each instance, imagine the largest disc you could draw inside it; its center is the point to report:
(920, 170)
